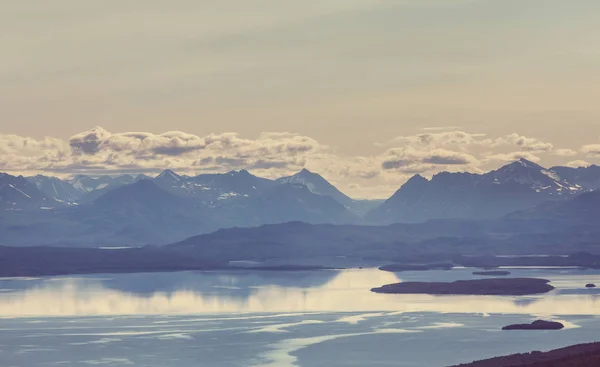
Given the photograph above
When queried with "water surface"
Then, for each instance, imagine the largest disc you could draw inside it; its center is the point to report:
(263, 318)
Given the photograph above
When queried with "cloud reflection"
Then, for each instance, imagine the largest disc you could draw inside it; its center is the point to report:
(346, 292)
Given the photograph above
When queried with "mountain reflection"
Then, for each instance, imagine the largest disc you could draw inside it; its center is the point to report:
(256, 292)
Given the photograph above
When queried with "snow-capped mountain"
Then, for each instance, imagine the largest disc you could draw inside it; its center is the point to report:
(516, 186)
(139, 210)
(17, 193)
(59, 190)
(140, 213)
(213, 188)
(538, 178)
(587, 177)
(92, 188)
(317, 185)
(85, 183)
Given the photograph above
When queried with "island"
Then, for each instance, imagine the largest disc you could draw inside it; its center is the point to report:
(483, 287)
(493, 273)
(536, 325)
(582, 355)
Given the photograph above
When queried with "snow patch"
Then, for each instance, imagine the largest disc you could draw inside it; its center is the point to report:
(27, 196)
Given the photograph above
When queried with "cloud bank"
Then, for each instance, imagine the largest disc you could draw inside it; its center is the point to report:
(274, 154)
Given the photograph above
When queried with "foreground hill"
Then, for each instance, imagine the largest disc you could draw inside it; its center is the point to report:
(583, 355)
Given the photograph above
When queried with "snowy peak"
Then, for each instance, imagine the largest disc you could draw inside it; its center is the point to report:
(317, 185)
(586, 177)
(17, 193)
(168, 175)
(538, 178)
(515, 186)
(240, 173)
(213, 188)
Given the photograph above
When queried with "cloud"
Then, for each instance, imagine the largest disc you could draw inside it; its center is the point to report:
(273, 154)
(441, 128)
(446, 138)
(514, 156)
(524, 143)
(447, 160)
(591, 150)
(578, 163)
(411, 160)
(565, 152)
(98, 151)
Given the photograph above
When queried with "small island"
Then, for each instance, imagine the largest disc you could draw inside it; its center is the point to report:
(482, 287)
(493, 273)
(536, 325)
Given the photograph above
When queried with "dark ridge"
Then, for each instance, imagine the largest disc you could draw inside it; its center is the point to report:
(583, 355)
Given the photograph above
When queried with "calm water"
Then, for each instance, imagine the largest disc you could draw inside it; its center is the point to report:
(278, 319)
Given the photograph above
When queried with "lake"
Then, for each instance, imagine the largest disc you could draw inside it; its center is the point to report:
(279, 319)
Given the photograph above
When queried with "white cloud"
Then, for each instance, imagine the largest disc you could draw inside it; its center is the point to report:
(412, 160)
(274, 154)
(578, 163)
(524, 143)
(591, 150)
(440, 139)
(513, 156)
(565, 152)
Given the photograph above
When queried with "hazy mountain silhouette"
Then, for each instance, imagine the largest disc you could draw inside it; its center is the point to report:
(17, 193)
(587, 177)
(516, 186)
(56, 188)
(128, 210)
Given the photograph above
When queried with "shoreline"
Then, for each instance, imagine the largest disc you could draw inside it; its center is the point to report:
(581, 355)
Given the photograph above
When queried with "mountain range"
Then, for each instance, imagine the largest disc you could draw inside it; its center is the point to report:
(516, 186)
(137, 210)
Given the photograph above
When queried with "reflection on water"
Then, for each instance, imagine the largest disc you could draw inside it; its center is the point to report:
(257, 292)
(278, 319)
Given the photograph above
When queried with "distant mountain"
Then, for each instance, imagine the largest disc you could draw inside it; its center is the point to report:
(92, 188)
(320, 186)
(516, 186)
(317, 185)
(294, 202)
(213, 188)
(17, 193)
(587, 177)
(59, 190)
(137, 210)
(141, 213)
(581, 213)
(535, 177)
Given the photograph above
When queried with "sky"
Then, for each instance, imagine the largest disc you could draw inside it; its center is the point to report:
(365, 92)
